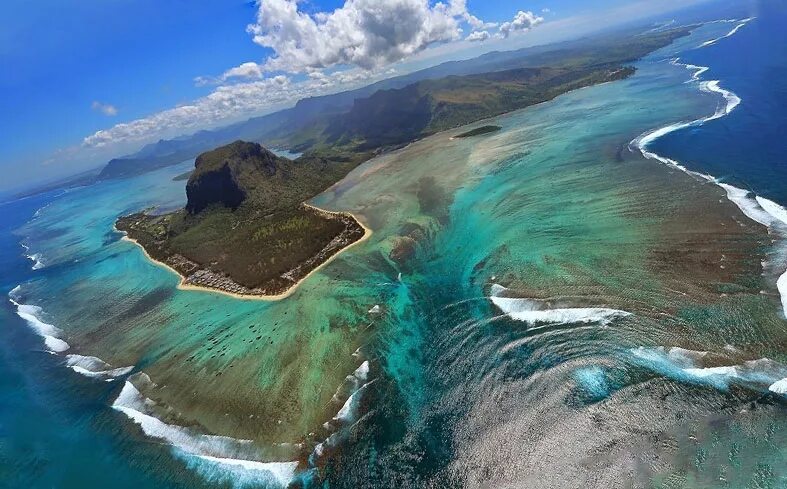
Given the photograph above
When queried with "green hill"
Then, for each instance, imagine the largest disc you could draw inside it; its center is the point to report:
(244, 228)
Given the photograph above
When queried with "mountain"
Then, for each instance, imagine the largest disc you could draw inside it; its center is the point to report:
(301, 126)
(390, 118)
(244, 228)
(395, 117)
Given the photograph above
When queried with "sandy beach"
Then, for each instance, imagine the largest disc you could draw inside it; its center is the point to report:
(183, 285)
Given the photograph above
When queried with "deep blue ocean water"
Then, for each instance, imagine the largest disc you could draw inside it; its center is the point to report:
(748, 148)
(56, 429)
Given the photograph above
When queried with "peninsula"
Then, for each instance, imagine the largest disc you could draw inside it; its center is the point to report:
(245, 229)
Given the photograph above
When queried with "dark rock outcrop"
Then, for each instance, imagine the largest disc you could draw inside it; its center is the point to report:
(226, 175)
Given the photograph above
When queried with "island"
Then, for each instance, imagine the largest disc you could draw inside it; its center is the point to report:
(479, 131)
(246, 229)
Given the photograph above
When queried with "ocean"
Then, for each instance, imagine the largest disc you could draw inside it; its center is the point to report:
(745, 148)
(539, 307)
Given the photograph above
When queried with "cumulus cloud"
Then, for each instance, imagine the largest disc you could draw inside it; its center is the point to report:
(245, 71)
(363, 33)
(523, 21)
(224, 103)
(230, 103)
(458, 8)
(478, 36)
(106, 109)
(324, 51)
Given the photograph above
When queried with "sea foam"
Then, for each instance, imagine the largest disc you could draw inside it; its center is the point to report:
(32, 315)
(756, 208)
(779, 387)
(215, 450)
(36, 258)
(243, 473)
(339, 426)
(95, 367)
(534, 312)
(735, 29)
(688, 366)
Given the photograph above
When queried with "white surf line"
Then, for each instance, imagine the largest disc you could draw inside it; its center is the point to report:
(32, 315)
(534, 312)
(85, 365)
(735, 29)
(759, 209)
(95, 367)
(36, 258)
(224, 451)
(779, 387)
(347, 416)
(689, 366)
(218, 451)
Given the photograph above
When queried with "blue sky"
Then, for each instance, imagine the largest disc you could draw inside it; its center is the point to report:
(72, 69)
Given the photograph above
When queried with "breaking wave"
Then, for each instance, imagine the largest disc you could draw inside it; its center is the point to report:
(95, 367)
(36, 258)
(735, 29)
(53, 340)
(696, 368)
(535, 312)
(339, 426)
(215, 457)
(33, 316)
(779, 387)
(759, 209)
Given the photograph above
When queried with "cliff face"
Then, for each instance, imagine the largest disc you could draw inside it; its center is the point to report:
(226, 175)
(214, 187)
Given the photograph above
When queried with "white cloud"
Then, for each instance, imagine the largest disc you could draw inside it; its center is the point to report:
(224, 103)
(364, 33)
(245, 71)
(479, 36)
(458, 8)
(231, 103)
(106, 109)
(336, 50)
(523, 21)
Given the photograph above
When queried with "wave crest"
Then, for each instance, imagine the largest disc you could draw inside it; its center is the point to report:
(756, 208)
(205, 453)
(533, 312)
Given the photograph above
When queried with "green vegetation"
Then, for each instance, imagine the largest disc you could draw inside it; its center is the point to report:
(244, 228)
(478, 131)
(183, 176)
(312, 123)
(392, 118)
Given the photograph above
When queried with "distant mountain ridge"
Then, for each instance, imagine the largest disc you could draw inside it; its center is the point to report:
(275, 128)
(246, 228)
(303, 126)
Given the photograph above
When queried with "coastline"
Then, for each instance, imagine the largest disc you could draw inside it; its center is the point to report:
(183, 285)
(756, 208)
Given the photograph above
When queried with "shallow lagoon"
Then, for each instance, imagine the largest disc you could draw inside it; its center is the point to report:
(555, 207)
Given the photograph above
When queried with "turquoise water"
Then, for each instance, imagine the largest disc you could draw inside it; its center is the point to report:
(550, 306)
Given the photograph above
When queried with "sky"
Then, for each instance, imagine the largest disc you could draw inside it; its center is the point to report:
(88, 80)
